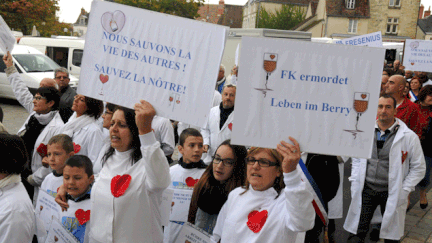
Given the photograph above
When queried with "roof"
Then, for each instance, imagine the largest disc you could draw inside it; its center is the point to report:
(209, 12)
(425, 24)
(336, 8)
(232, 16)
(85, 14)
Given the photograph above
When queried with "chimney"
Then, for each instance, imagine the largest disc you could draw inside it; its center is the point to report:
(427, 13)
(221, 7)
(83, 12)
(421, 10)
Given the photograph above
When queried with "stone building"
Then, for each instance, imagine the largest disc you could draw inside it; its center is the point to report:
(80, 26)
(222, 14)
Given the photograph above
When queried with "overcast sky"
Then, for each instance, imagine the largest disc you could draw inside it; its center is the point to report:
(70, 9)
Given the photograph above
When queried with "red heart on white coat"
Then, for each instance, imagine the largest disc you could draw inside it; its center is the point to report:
(230, 126)
(256, 220)
(82, 216)
(119, 184)
(190, 182)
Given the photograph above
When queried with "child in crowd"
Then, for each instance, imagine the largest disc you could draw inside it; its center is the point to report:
(77, 178)
(186, 173)
(60, 148)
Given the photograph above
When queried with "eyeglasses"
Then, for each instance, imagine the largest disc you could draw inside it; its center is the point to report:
(261, 162)
(225, 162)
(108, 113)
(62, 77)
(39, 97)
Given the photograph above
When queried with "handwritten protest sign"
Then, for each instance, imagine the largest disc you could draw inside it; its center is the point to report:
(7, 40)
(58, 234)
(325, 96)
(46, 208)
(192, 234)
(166, 206)
(180, 205)
(418, 55)
(371, 40)
(132, 54)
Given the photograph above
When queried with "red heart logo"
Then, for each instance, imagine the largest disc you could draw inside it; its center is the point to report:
(82, 216)
(230, 126)
(190, 182)
(272, 56)
(42, 150)
(77, 148)
(412, 64)
(364, 96)
(404, 156)
(170, 99)
(256, 220)
(178, 101)
(103, 78)
(119, 184)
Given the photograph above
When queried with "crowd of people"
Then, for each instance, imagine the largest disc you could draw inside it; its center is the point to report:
(108, 166)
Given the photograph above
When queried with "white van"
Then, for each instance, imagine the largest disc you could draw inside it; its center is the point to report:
(33, 66)
(65, 52)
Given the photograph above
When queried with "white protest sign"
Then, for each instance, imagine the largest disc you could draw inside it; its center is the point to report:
(418, 55)
(166, 206)
(47, 209)
(7, 40)
(132, 54)
(324, 96)
(180, 205)
(192, 234)
(371, 40)
(58, 234)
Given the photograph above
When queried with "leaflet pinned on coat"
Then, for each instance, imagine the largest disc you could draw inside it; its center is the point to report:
(58, 234)
(7, 39)
(192, 234)
(181, 200)
(324, 96)
(132, 54)
(418, 55)
(46, 208)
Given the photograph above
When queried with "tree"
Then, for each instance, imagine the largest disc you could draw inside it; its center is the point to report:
(182, 8)
(284, 19)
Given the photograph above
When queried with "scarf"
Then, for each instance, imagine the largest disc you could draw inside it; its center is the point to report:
(80, 198)
(199, 164)
(9, 180)
(212, 199)
(219, 83)
(224, 114)
(76, 123)
(44, 119)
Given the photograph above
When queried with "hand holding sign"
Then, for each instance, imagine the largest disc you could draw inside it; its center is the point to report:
(7, 59)
(7, 40)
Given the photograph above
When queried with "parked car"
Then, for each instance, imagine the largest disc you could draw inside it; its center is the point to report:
(33, 66)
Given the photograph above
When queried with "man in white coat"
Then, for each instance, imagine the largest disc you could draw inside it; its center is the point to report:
(219, 124)
(396, 166)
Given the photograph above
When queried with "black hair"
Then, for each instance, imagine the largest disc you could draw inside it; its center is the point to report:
(94, 107)
(81, 161)
(110, 106)
(424, 92)
(50, 94)
(187, 133)
(14, 153)
(386, 96)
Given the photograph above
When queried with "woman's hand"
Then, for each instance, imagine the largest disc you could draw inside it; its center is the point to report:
(45, 162)
(7, 59)
(291, 155)
(61, 198)
(144, 113)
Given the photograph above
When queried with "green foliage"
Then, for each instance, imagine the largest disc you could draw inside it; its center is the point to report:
(182, 8)
(284, 19)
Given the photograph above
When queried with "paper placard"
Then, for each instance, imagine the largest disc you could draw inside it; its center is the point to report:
(180, 205)
(418, 55)
(7, 39)
(371, 40)
(167, 197)
(47, 209)
(172, 62)
(58, 234)
(307, 91)
(192, 234)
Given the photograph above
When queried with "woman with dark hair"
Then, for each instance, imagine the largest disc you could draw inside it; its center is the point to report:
(83, 128)
(17, 220)
(415, 86)
(425, 104)
(225, 173)
(274, 205)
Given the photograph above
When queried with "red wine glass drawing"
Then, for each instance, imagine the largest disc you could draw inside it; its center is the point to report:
(361, 101)
(269, 65)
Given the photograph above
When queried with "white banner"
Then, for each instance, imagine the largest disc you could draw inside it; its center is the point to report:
(371, 40)
(58, 234)
(192, 234)
(307, 91)
(418, 55)
(7, 39)
(132, 54)
(47, 209)
(181, 200)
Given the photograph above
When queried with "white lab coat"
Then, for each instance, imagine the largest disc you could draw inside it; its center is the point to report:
(164, 133)
(17, 219)
(91, 140)
(403, 178)
(212, 135)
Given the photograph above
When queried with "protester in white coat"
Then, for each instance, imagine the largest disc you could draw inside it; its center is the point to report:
(17, 219)
(219, 124)
(274, 206)
(406, 168)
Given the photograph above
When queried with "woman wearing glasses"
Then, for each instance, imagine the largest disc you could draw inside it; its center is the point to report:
(224, 174)
(274, 205)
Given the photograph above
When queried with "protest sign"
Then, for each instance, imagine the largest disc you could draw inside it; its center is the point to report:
(180, 205)
(418, 55)
(166, 206)
(371, 40)
(46, 208)
(132, 54)
(192, 234)
(7, 39)
(58, 234)
(325, 96)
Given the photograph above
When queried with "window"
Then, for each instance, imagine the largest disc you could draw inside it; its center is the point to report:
(76, 57)
(350, 4)
(352, 26)
(392, 25)
(394, 3)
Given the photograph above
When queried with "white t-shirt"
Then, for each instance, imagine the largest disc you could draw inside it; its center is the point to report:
(69, 219)
(51, 183)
